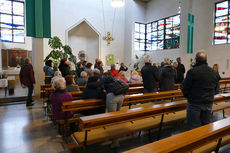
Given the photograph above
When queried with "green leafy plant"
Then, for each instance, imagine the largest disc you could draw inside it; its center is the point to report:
(59, 52)
(136, 65)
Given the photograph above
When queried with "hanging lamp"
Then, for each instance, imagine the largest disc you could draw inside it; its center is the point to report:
(117, 3)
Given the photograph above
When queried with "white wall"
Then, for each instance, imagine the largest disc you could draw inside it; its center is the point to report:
(83, 37)
(66, 14)
(135, 11)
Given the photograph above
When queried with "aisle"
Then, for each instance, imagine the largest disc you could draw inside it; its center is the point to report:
(25, 130)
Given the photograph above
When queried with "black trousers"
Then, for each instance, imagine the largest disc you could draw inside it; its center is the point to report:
(30, 92)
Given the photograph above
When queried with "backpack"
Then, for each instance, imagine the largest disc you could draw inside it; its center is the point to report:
(118, 87)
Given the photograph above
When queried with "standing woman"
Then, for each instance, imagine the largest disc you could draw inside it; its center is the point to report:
(49, 73)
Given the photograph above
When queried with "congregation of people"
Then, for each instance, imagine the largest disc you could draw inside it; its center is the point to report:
(112, 85)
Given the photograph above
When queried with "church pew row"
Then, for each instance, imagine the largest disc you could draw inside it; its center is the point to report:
(129, 101)
(97, 128)
(207, 138)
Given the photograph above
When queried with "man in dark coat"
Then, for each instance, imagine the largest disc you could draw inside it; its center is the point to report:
(150, 76)
(180, 71)
(93, 90)
(27, 79)
(167, 78)
(199, 88)
(64, 67)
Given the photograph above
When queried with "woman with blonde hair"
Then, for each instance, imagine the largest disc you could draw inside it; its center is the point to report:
(122, 76)
(135, 77)
(216, 67)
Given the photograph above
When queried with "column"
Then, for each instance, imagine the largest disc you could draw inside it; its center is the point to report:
(38, 63)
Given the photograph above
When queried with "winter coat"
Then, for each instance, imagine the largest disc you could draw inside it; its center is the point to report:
(180, 73)
(167, 78)
(93, 90)
(114, 73)
(200, 84)
(64, 68)
(57, 98)
(27, 75)
(135, 79)
(48, 71)
(81, 81)
(150, 76)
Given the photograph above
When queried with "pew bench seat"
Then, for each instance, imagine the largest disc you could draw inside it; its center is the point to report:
(115, 131)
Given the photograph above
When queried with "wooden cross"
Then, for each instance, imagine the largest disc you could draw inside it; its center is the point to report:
(108, 38)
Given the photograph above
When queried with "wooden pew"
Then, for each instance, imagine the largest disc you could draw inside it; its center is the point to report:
(129, 100)
(101, 121)
(189, 141)
(126, 118)
(42, 90)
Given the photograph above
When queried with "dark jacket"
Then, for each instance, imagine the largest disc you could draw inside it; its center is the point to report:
(48, 71)
(150, 76)
(180, 73)
(106, 81)
(200, 84)
(93, 90)
(27, 75)
(64, 68)
(167, 78)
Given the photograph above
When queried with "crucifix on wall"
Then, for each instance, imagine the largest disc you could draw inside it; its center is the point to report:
(108, 38)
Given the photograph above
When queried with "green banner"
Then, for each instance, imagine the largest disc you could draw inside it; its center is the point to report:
(38, 18)
(190, 34)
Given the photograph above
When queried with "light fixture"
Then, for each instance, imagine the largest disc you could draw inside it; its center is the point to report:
(179, 8)
(117, 3)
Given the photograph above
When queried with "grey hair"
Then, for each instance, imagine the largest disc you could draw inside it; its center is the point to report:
(58, 73)
(147, 58)
(96, 71)
(59, 83)
(83, 74)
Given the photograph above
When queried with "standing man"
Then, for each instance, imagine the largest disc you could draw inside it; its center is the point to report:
(180, 71)
(27, 79)
(199, 88)
(149, 76)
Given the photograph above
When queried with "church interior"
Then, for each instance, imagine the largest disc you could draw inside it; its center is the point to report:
(116, 32)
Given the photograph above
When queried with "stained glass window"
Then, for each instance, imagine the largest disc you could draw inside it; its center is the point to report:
(158, 35)
(140, 34)
(222, 19)
(12, 21)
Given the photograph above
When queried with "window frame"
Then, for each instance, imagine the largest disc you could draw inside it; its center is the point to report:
(157, 31)
(12, 27)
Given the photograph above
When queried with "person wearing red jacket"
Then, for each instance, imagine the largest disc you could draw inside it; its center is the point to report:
(27, 79)
(113, 71)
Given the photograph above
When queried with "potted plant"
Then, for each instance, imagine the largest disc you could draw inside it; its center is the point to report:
(59, 52)
(136, 65)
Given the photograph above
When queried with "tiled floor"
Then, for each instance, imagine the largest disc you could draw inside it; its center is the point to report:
(26, 130)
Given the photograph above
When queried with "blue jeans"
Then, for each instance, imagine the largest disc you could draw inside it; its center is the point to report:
(30, 92)
(198, 115)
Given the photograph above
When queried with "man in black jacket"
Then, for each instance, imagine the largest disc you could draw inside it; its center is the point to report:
(180, 71)
(150, 76)
(199, 88)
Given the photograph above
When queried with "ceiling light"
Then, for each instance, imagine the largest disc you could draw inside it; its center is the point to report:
(117, 3)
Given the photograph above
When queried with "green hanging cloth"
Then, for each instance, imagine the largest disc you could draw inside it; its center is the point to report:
(38, 23)
(190, 34)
